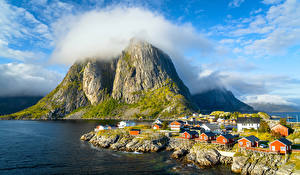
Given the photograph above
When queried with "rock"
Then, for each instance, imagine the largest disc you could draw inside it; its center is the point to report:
(285, 169)
(179, 153)
(225, 160)
(88, 136)
(204, 157)
(238, 163)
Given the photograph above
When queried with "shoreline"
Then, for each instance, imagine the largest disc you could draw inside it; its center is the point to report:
(202, 155)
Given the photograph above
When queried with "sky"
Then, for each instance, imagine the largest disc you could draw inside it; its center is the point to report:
(250, 47)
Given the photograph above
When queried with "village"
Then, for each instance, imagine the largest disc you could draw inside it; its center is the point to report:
(251, 132)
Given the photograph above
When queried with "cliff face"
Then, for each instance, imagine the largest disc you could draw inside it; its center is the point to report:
(142, 81)
(220, 99)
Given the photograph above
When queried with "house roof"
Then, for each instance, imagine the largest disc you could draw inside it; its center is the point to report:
(192, 132)
(179, 121)
(248, 120)
(227, 136)
(209, 134)
(211, 127)
(252, 138)
(279, 125)
(284, 141)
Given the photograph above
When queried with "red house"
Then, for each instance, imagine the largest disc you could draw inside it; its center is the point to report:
(282, 130)
(225, 139)
(281, 145)
(176, 125)
(134, 132)
(157, 126)
(250, 141)
(206, 136)
(189, 134)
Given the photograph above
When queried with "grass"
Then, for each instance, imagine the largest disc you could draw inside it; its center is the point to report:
(261, 135)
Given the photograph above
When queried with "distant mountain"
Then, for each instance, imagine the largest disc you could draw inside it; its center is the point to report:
(10, 105)
(220, 99)
(267, 107)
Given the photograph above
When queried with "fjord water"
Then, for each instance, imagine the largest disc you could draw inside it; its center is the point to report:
(54, 147)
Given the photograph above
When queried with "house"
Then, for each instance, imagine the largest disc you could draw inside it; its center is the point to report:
(247, 123)
(282, 130)
(135, 132)
(184, 118)
(123, 124)
(199, 130)
(189, 134)
(281, 145)
(157, 121)
(250, 141)
(221, 120)
(99, 128)
(208, 127)
(206, 136)
(176, 125)
(225, 139)
(157, 126)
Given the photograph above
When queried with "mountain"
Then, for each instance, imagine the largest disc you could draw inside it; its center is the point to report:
(140, 83)
(219, 100)
(10, 105)
(267, 107)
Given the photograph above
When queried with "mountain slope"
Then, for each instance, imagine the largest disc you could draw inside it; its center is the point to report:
(10, 105)
(141, 82)
(220, 99)
(267, 107)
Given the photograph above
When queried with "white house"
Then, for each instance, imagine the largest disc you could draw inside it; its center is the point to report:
(157, 121)
(214, 128)
(247, 123)
(123, 124)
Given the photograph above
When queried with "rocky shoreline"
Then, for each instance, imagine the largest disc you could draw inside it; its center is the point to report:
(202, 155)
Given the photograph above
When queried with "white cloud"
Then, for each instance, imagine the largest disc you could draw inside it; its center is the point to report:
(268, 99)
(235, 3)
(271, 1)
(18, 79)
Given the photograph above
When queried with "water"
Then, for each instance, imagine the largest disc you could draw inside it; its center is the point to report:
(294, 115)
(54, 147)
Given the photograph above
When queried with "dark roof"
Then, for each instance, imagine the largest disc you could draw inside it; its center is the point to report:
(248, 120)
(227, 136)
(209, 134)
(135, 130)
(285, 141)
(212, 127)
(252, 138)
(192, 132)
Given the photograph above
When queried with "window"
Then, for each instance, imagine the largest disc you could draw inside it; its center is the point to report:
(224, 140)
(241, 143)
(282, 148)
(273, 148)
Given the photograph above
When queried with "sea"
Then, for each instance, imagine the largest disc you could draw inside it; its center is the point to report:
(290, 116)
(54, 147)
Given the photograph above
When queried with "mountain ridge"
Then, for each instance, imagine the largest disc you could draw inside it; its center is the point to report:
(141, 82)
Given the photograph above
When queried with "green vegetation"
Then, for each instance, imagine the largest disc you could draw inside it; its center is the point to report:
(107, 108)
(282, 121)
(263, 127)
(261, 135)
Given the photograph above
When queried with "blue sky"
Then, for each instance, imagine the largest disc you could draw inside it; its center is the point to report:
(249, 47)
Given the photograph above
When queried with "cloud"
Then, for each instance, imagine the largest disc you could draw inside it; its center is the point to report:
(271, 1)
(268, 99)
(19, 79)
(235, 3)
(105, 33)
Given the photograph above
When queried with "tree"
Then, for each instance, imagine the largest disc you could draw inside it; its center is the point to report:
(263, 126)
(235, 115)
(165, 125)
(282, 121)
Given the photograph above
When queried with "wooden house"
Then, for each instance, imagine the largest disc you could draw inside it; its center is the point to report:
(225, 139)
(157, 126)
(281, 145)
(176, 125)
(247, 123)
(189, 134)
(282, 130)
(135, 132)
(250, 141)
(206, 136)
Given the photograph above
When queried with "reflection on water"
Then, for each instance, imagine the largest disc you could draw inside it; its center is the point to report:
(54, 147)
